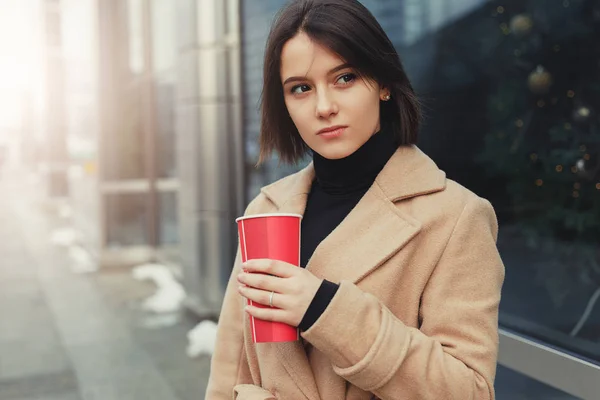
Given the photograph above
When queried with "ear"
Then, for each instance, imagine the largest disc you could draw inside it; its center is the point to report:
(384, 94)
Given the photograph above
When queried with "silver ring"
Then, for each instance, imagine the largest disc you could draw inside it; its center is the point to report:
(271, 299)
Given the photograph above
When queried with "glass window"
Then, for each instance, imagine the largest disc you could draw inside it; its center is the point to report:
(127, 217)
(511, 92)
(168, 228)
(124, 145)
(164, 44)
(164, 56)
(164, 91)
(136, 35)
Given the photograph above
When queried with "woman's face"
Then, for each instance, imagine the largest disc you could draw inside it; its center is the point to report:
(334, 110)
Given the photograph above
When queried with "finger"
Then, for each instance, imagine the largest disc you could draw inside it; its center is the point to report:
(262, 281)
(269, 314)
(256, 295)
(271, 267)
(264, 297)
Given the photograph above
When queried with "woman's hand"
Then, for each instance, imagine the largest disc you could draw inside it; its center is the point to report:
(294, 288)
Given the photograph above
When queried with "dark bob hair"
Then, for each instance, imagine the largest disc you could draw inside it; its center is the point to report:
(348, 29)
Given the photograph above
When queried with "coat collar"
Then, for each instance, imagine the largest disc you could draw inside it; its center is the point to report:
(408, 173)
(375, 224)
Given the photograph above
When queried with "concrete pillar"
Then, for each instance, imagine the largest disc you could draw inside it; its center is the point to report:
(209, 147)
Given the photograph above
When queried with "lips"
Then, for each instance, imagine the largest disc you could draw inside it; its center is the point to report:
(332, 130)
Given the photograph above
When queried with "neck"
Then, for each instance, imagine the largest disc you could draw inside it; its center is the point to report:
(358, 171)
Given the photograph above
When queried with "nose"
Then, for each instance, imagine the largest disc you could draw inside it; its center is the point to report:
(326, 106)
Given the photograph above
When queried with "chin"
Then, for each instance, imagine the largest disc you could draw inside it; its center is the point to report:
(335, 152)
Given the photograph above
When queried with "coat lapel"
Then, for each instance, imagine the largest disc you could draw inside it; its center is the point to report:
(371, 233)
(290, 194)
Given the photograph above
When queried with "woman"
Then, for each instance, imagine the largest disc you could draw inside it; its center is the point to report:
(399, 294)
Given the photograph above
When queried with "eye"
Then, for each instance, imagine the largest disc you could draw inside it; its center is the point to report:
(346, 78)
(299, 89)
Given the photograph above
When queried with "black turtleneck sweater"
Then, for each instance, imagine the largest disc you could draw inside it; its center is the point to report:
(337, 188)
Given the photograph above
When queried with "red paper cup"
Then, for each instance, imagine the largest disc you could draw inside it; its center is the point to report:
(274, 237)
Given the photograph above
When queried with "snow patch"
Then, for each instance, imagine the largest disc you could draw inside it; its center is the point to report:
(201, 339)
(65, 211)
(82, 261)
(170, 293)
(64, 237)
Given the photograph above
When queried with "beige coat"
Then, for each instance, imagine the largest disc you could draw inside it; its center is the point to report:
(416, 314)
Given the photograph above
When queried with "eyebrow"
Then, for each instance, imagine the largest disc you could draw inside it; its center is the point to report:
(303, 78)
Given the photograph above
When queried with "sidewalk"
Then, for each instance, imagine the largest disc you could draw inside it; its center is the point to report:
(80, 337)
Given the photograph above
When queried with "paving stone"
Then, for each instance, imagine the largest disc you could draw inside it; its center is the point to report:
(191, 383)
(61, 396)
(42, 386)
(32, 357)
(99, 362)
(141, 385)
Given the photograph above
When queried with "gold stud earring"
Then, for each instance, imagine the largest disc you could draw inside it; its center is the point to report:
(386, 97)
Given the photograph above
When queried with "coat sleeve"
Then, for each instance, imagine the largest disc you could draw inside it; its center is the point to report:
(453, 355)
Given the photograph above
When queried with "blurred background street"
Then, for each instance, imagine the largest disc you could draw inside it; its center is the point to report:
(73, 336)
(128, 144)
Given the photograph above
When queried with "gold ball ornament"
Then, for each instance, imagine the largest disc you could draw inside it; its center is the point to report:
(521, 25)
(582, 114)
(540, 81)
